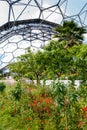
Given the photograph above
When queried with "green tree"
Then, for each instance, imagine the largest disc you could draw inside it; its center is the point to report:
(30, 65)
(66, 97)
(81, 62)
(60, 59)
(17, 69)
(62, 53)
(57, 58)
(71, 33)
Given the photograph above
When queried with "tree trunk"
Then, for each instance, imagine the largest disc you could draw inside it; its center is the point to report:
(38, 80)
(66, 119)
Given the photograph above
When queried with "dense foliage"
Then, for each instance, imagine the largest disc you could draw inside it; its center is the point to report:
(58, 106)
(2, 86)
(54, 107)
(62, 58)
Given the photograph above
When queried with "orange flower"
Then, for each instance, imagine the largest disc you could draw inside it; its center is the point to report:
(47, 100)
(30, 119)
(84, 108)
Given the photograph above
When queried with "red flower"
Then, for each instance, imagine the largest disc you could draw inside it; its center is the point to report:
(47, 100)
(35, 103)
(84, 108)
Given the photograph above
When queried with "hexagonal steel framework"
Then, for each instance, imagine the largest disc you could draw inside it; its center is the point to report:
(31, 23)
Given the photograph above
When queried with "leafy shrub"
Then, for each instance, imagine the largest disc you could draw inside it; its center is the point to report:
(2, 86)
(38, 109)
(16, 93)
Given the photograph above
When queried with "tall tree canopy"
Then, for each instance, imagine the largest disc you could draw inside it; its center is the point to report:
(62, 60)
(30, 65)
(62, 57)
(71, 33)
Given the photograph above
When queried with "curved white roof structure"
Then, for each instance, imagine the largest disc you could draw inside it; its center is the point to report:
(30, 23)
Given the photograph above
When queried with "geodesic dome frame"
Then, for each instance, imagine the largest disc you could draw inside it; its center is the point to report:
(31, 23)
